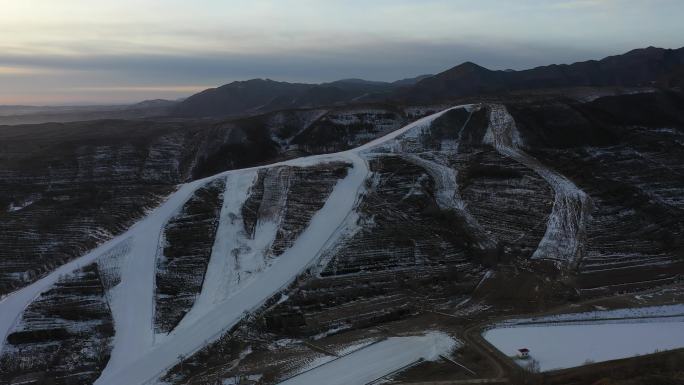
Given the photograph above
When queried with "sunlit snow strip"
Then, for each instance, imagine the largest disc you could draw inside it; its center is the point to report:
(377, 360)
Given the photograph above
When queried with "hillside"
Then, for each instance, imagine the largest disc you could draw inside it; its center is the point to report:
(475, 211)
(646, 67)
(391, 232)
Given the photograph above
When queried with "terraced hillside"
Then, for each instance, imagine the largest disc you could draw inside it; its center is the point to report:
(634, 177)
(307, 191)
(510, 201)
(442, 203)
(65, 188)
(182, 262)
(478, 211)
(64, 336)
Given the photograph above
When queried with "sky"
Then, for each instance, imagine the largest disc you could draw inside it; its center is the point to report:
(97, 52)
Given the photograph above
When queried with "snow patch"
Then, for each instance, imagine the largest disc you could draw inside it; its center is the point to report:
(377, 360)
(17, 206)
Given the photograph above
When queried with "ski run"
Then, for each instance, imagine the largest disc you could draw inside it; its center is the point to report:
(571, 206)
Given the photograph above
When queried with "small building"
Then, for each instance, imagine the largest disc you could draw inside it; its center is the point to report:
(524, 353)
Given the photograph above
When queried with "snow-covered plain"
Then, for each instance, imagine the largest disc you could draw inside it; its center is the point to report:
(571, 339)
(562, 346)
(139, 355)
(377, 360)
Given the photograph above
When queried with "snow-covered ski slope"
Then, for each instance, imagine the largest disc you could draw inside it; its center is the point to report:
(571, 206)
(377, 360)
(139, 355)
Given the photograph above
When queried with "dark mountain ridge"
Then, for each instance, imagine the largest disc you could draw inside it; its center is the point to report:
(258, 96)
(641, 67)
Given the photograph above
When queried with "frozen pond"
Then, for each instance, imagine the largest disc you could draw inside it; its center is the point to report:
(557, 346)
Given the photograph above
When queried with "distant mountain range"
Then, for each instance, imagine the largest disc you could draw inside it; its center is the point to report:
(650, 67)
(642, 67)
(264, 95)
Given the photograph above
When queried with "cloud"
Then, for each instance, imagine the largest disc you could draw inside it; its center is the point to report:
(580, 4)
(26, 71)
(384, 60)
(144, 89)
(89, 50)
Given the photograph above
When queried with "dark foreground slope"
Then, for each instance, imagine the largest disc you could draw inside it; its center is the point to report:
(454, 225)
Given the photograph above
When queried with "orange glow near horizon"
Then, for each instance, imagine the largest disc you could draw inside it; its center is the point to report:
(102, 95)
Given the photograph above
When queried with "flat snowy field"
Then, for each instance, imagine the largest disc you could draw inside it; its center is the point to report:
(559, 346)
(377, 360)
